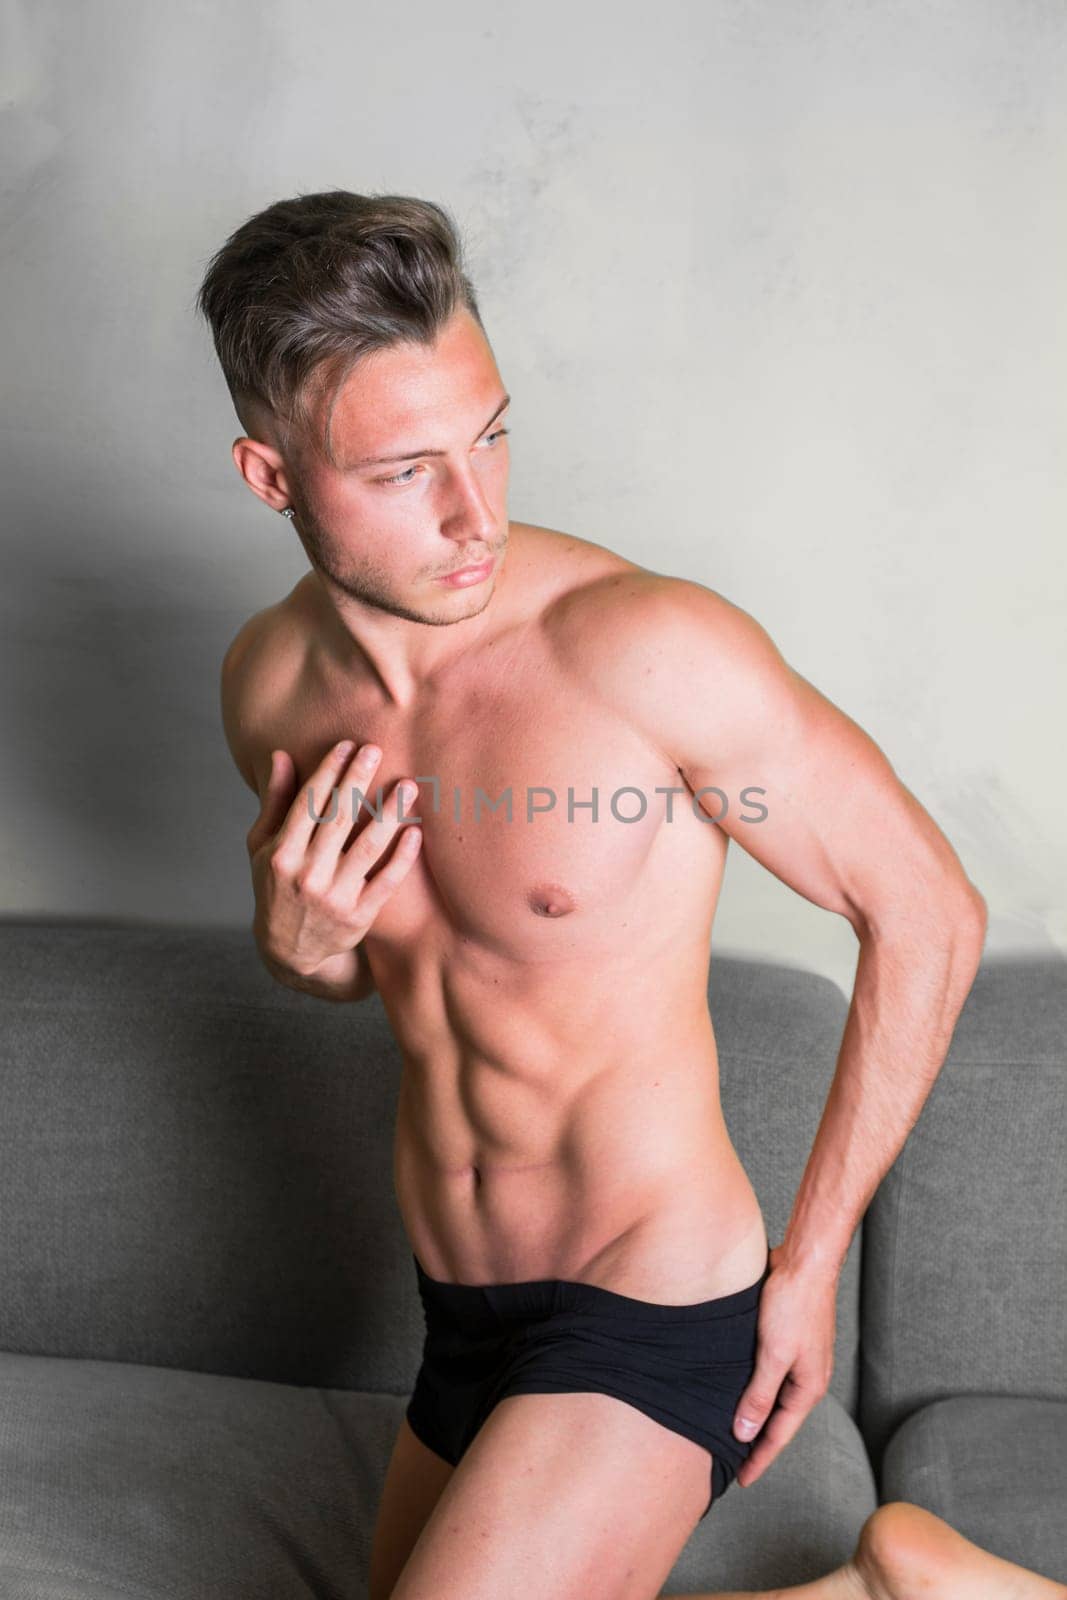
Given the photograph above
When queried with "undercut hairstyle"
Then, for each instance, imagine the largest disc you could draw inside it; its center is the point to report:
(302, 291)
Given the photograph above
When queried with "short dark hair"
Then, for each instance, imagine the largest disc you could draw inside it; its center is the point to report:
(301, 291)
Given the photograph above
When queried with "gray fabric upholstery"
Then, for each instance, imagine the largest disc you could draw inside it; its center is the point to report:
(993, 1467)
(196, 1162)
(171, 1483)
(798, 1522)
(965, 1264)
(208, 1312)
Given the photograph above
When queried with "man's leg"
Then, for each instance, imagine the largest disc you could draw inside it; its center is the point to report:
(414, 1481)
(575, 1496)
(903, 1551)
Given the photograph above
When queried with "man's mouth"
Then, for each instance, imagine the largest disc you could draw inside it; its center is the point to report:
(473, 570)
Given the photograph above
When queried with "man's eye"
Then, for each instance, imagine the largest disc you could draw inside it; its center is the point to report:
(403, 478)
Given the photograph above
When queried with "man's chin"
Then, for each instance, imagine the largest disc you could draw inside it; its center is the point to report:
(438, 605)
(442, 615)
(458, 612)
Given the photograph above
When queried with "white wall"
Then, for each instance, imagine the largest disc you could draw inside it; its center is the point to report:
(778, 291)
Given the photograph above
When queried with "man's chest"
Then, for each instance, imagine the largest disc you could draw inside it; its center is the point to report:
(546, 818)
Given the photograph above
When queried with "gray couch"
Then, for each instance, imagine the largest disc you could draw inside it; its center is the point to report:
(208, 1312)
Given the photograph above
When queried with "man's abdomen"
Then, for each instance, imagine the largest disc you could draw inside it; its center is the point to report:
(624, 1177)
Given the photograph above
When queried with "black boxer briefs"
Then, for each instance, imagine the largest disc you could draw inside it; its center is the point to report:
(684, 1366)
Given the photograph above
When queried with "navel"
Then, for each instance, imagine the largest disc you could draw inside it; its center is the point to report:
(550, 900)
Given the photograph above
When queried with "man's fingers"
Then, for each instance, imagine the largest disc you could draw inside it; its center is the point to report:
(341, 811)
(275, 801)
(791, 1406)
(314, 803)
(373, 895)
(365, 849)
(783, 1424)
(757, 1402)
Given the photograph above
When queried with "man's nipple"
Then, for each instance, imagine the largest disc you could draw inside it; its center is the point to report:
(550, 900)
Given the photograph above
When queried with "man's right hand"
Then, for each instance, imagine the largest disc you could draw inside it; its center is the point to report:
(313, 902)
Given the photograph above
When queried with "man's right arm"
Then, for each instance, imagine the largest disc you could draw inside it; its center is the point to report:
(343, 977)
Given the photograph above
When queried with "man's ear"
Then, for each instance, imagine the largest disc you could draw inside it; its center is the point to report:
(263, 469)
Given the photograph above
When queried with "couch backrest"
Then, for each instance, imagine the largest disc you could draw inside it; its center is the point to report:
(195, 1163)
(965, 1243)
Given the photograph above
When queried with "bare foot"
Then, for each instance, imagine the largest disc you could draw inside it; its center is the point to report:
(906, 1553)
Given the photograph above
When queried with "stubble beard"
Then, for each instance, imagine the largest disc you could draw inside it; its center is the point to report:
(366, 587)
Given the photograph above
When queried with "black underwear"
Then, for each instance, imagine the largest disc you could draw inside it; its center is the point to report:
(684, 1366)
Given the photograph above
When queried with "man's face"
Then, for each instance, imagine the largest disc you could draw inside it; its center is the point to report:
(384, 533)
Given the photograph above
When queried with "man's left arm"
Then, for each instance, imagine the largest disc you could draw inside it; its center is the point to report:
(842, 830)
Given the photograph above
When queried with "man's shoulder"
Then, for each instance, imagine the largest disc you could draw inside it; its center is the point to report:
(257, 672)
(266, 646)
(621, 616)
(661, 651)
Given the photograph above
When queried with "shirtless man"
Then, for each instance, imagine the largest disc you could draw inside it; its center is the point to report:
(559, 1140)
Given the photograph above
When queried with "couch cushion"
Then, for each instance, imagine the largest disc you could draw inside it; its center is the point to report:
(965, 1242)
(124, 1480)
(995, 1468)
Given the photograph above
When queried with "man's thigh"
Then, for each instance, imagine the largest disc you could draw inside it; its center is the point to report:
(561, 1497)
(414, 1481)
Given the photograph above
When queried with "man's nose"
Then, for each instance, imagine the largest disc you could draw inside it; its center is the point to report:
(471, 518)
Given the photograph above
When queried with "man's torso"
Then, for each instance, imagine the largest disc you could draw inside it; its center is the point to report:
(545, 976)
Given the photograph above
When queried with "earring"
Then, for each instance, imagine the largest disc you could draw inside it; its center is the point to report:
(287, 511)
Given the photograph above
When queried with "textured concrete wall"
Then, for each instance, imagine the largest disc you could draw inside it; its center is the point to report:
(778, 291)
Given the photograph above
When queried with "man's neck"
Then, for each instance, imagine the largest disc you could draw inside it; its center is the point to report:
(401, 655)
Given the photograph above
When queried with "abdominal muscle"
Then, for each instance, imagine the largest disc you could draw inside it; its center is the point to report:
(617, 1171)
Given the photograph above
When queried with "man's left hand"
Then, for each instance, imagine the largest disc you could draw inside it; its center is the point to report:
(794, 1359)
